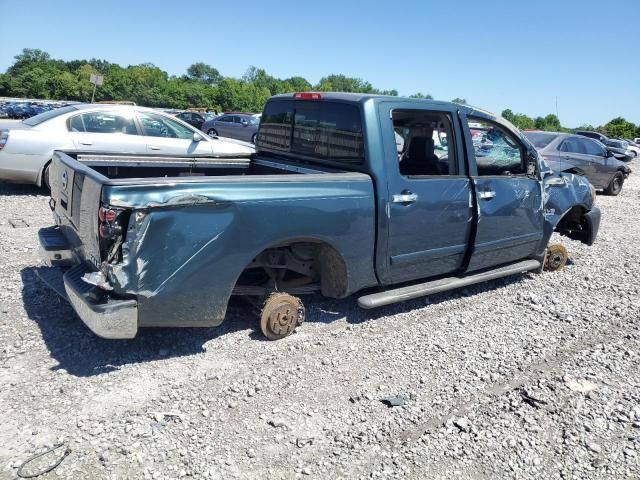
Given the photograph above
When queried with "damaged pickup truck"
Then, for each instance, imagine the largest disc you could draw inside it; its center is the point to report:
(345, 192)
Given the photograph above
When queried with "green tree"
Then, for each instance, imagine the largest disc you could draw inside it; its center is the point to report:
(621, 128)
(421, 95)
(508, 115)
(552, 123)
(342, 83)
(462, 101)
(203, 73)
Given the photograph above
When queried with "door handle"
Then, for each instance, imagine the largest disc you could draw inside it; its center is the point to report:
(153, 147)
(405, 198)
(487, 195)
(85, 143)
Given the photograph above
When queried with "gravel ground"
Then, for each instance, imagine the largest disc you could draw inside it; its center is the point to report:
(535, 376)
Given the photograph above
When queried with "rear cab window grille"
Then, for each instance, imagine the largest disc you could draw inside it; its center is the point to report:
(329, 131)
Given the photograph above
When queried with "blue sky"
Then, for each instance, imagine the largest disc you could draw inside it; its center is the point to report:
(496, 54)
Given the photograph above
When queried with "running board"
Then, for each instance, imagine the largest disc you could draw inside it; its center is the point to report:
(436, 286)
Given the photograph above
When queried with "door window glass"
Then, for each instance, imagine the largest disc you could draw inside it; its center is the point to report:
(497, 151)
(424, 143)
(573, 145)
(102, 122)
(591, 147)
(154, 125)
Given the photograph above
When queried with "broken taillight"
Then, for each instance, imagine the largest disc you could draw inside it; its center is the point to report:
(108, 226)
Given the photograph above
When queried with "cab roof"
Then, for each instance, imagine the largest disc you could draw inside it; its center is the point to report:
(364, 97)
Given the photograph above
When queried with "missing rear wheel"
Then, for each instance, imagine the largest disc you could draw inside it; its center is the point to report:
(556, 258)
(280, 315)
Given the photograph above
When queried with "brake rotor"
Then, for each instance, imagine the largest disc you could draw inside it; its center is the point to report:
(280, 316)
(556, 258)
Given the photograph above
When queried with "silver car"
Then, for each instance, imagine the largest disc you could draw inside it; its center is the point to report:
(582, 155)
(241, 126)
(26, 147)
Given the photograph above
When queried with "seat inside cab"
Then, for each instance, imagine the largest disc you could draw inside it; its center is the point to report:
(422, 141)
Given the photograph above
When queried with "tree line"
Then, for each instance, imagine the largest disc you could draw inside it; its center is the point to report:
(34, 74)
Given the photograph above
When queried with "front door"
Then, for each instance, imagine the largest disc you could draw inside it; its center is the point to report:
(428, 206)
(165, 136)
(509, 202)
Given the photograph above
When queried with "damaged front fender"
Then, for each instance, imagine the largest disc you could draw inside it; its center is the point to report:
(569, 207)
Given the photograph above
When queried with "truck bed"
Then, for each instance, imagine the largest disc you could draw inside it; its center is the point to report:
(114, 168)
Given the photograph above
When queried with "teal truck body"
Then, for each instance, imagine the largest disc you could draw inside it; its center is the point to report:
(345, 193)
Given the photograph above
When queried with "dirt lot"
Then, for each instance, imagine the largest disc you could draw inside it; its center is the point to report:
(535, 376)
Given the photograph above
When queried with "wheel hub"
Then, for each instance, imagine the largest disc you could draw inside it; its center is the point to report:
(281, 314)
(283, 319)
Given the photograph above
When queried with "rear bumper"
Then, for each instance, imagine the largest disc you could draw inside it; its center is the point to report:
(105, 316)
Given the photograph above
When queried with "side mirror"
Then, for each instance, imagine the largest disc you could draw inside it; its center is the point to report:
(197, 137)
(244, 123)
(609, 153)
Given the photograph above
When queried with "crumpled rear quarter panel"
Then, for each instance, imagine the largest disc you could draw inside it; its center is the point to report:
(184, 255)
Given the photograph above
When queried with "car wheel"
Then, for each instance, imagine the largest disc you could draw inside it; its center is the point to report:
(212, 132)
(45, 178)
(615, 186)
(253, 138)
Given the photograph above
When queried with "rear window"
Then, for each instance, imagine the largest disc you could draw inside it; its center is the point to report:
(43, 117)
(320, 130)
(539, 139)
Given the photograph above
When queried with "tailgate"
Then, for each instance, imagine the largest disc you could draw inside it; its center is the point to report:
(75, 194)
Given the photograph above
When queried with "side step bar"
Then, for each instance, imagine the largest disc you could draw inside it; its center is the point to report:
(436, 286)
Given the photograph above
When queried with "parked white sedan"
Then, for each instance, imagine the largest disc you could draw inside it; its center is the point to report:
(26, 147)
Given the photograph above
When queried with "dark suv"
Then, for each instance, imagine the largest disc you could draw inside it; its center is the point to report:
(241, 126)
(596, 135)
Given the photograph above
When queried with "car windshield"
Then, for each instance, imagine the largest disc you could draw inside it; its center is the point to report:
(540, 139)
(254, 120)
(43, 117)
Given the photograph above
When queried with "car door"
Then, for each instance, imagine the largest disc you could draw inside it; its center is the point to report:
(106, 131)
(601, 166)
(509, 202)
(572, 153)
(427, 210)
(244, 130)
(166, 136)
(224, 125)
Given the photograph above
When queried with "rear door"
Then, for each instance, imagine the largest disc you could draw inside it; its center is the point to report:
(106, 131)
(166, 136)
(509, 202)
(428, 205)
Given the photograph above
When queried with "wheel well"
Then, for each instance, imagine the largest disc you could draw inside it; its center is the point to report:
(298, 263)
(41, 182)
(573, 223)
